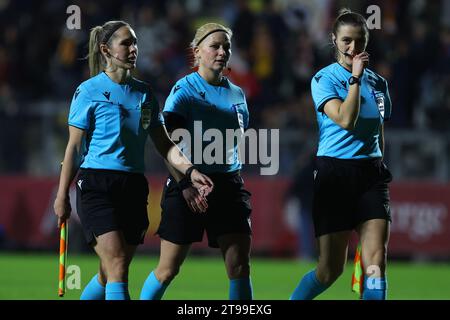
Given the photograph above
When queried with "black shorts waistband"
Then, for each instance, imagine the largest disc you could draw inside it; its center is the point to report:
(219, 175)
(108, 171)
(367, 162)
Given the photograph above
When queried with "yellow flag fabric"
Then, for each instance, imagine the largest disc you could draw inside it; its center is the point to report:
(358, 274)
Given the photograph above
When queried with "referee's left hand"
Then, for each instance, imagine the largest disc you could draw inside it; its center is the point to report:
(195, 201)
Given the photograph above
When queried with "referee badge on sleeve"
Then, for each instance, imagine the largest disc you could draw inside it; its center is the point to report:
(240, 120)
(146, 114)
(237, 108)
(379, 99)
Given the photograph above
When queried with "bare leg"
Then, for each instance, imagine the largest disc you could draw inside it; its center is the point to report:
(236, 254)
(115, 258)
(332, 259)
(332, 256)
(374, 237)
(171, 258)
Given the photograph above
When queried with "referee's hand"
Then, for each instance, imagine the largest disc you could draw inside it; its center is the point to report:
(205, 190)
(360, 61)
(62, 209)
(195, 201)
(201, 181)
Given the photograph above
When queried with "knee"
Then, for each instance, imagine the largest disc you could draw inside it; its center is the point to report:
(375, 259)
(238, 269)
(329, 274)
(116, 267)
(377, 254)
(167, 274)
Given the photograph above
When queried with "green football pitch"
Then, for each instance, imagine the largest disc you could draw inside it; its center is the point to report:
(35, 276)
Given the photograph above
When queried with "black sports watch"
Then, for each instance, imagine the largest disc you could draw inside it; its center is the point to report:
(353, 80)
(188, 173)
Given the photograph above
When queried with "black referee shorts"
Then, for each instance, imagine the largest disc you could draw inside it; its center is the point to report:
(109, 200)
(348, 193)
(228, 212)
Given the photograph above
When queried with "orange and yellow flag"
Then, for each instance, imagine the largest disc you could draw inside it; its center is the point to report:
(358, 273)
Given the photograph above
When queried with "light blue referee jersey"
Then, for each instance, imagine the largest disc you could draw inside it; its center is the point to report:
(211, 109)
(116, 118)
(362, 142)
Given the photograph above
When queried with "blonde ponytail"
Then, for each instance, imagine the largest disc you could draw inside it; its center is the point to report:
(96, 60)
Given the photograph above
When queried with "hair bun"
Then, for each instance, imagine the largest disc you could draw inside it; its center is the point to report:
(344, 11)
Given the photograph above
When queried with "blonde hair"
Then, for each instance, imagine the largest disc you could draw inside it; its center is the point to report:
(203, 32)
(101, 35)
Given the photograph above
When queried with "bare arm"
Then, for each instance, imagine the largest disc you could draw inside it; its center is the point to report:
(169, 150)
(345, 113)
(69, 168)
(174, 173)
(177, 164)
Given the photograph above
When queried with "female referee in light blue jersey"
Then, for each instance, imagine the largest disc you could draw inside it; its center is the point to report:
(201, 101)
(350, 179)
(110, 118)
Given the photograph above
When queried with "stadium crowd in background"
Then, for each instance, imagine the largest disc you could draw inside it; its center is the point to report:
(278, 46)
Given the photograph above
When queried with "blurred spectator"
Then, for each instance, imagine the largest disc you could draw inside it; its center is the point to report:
(300, 197)
(243, 27)
(155, 37)
(303, 62)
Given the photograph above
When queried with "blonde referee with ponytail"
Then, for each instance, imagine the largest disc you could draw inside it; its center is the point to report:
(110, 118)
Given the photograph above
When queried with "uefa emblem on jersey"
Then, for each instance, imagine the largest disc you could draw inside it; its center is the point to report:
(379, 99)
(146, 114)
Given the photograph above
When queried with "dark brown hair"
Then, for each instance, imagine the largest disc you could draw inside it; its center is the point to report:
(347, 17)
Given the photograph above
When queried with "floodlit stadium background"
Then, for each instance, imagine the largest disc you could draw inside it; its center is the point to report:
(277, 47)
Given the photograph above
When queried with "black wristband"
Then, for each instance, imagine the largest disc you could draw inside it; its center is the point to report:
(184, 184)
(189, 173)
(354, 80)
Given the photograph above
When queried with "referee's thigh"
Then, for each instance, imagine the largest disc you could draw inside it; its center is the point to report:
(115, 254)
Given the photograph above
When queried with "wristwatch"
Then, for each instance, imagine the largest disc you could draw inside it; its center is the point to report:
(353, 80)
(188, 173)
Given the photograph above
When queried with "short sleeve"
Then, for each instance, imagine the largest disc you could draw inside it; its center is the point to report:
(246, 114)
(323, 90)
(80, 109)
(387, 104)
(177, 101)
